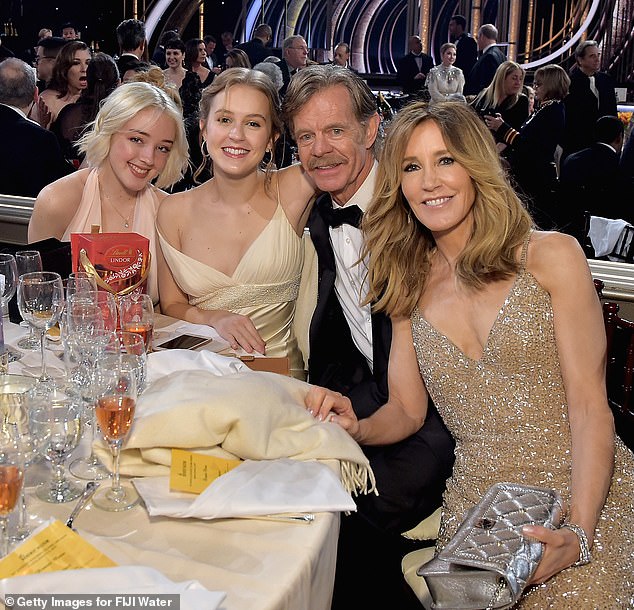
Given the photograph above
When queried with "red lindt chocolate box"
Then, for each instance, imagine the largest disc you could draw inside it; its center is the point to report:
(120, 261)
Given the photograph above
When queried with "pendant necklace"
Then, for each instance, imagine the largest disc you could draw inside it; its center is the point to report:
(126, 219)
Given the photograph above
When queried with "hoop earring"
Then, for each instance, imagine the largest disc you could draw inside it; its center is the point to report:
(204, 150)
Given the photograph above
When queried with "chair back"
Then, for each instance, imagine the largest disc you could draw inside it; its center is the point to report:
(620, 371)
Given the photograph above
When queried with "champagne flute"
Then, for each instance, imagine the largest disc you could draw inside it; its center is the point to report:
(28, 261)
(41, 302)
(116, 402)
(11, 480)
(58, 419)
(136, 313)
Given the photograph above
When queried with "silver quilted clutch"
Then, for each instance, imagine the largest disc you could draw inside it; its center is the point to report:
(488, 562)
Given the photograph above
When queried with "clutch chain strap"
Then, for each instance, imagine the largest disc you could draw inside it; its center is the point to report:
(496, 594)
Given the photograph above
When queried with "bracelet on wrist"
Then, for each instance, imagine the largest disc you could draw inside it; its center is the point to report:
(585, 556)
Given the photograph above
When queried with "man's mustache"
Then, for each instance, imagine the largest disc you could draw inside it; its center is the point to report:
(325, 161)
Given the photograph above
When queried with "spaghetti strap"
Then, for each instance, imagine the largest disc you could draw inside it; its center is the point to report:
(525, 251)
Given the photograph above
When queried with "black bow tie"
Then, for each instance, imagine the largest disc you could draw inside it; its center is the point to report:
(335, 217)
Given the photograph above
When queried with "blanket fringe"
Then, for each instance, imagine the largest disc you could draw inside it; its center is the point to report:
(358, 478)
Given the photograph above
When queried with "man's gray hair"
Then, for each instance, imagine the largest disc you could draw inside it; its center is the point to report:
(488, 30)
(315, 78)
(17, 83)
(287, 43)
(580, 51)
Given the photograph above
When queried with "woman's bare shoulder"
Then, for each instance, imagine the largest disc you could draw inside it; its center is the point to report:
(67, 191)
(555, 257)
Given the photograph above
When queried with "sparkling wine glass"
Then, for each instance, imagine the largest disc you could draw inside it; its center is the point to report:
(116, 402)
(41, 302)
(136, 314)
(8, 278)
(11, 480)
(58, 419)
(28, 261)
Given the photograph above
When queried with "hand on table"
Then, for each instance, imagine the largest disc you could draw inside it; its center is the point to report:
(239, 331)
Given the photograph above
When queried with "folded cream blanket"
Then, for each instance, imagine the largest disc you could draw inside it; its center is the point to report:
(250, 415)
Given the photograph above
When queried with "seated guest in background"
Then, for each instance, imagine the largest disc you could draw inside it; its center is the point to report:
(232, 249)
(504, 96)
(332, 116)
(529, 92)
(445, 81)
(237, 58)
(412, 69)
(466, 46)
(195, 56)
(294, 58)
(137, 137)
(591, 96)
(491, 56)
(592, 180)
(256, 48)
(30, 157)
(531, 149)
(212, 59)
(102, 78)
(46, 53)
(132, 44)
(341, 55)
(272, 71)
(521, 388)
(175, 56)
(69, 77)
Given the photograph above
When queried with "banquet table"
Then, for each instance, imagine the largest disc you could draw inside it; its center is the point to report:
(259, 564)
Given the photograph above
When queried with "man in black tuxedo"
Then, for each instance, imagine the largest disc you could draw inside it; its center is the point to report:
(466, 46)
(590, 96)
(132, 44)
(490, 57)
(332, 115)
(30, 156)
(592, 180)
(256, 48)
(412, 70)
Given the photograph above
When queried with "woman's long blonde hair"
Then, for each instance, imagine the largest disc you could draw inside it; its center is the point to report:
(493, 96)
(399, 247)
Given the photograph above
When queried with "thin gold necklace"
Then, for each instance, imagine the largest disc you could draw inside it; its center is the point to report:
(126, 219)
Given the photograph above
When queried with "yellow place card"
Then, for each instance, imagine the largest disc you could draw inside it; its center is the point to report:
(194, 472)
(54, 547)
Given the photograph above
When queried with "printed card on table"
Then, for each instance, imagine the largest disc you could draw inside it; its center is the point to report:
(193, 472)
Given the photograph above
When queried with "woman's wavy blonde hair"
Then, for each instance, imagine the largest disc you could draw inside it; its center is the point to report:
(399, 247)
(493, 96)
(122, 105)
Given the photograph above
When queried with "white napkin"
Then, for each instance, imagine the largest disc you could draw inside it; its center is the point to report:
(254, 488)
(180, 327)
(164, 362)
(120, 579)
(604, 234)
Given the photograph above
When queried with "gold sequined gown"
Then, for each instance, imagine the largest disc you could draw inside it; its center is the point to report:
(264, 286)
(508, 415)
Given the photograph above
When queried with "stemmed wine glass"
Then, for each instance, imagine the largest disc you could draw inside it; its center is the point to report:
(87, 337)
(116, 402)
(136, 314)
(41, 302)
(58, 419)
(11, 480)
(8, 285)
(28, 261)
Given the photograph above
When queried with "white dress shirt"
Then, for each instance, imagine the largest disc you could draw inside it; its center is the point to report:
(351, 282)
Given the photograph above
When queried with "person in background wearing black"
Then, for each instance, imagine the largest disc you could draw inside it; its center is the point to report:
(412, 70)
(132, 44)
(466, 46)
(70, 32)
(490, 57)
(591, 96)
(256, 48)
(30, 156)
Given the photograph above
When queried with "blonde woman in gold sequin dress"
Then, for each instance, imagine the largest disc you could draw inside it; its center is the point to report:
(502, 327)
(232, 247)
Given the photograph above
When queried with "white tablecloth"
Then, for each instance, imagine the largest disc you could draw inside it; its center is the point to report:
(261, 565)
